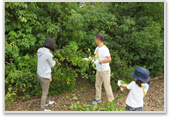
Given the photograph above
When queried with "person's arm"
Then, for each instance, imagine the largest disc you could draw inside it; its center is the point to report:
(106, 60)
(129, 86)
(106, 54)
(91, 58)
(51, 61)
(123, 86)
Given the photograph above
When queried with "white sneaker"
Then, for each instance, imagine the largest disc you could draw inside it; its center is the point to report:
(50, 103)
(47, 110)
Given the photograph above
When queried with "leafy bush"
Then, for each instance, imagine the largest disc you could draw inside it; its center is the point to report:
(133, 34)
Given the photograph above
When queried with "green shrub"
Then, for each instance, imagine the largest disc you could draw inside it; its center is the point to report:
(63, 81)
(134, 35)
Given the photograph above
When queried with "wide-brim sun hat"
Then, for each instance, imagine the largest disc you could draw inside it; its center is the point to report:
(141, 74)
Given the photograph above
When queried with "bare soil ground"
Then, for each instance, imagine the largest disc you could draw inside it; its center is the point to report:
(85, 92)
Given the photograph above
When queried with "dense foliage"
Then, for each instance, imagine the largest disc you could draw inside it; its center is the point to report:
(134, 33)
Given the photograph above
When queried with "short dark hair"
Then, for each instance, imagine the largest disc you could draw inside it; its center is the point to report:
(49, 43)
(101, 36)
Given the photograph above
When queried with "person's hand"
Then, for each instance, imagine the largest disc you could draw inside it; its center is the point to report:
(50, 78)
(96, 62)
(119, 83)
(85, 59)
(121, 89)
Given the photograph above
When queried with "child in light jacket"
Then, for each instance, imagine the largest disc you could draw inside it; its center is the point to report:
(138, 89)
(44, 65)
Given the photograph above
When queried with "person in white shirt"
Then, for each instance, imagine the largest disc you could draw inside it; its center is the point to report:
(102, 58)
(138, 89)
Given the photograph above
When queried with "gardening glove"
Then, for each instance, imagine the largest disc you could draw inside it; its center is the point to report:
(96, 62)
(85, 59)
(121, 89)
(119, 83)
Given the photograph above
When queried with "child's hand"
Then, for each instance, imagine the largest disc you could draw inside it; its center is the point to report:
(121, 89)
(123, 86)
(119, 83)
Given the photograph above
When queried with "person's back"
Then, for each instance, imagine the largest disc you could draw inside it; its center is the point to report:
(136, 94)
(45, 62)
(138, 89)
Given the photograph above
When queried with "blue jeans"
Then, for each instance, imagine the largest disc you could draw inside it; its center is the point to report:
(128, 108)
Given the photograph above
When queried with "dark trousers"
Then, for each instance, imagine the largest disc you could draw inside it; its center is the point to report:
(128, 108)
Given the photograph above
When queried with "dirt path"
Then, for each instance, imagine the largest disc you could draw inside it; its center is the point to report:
(85, 92)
